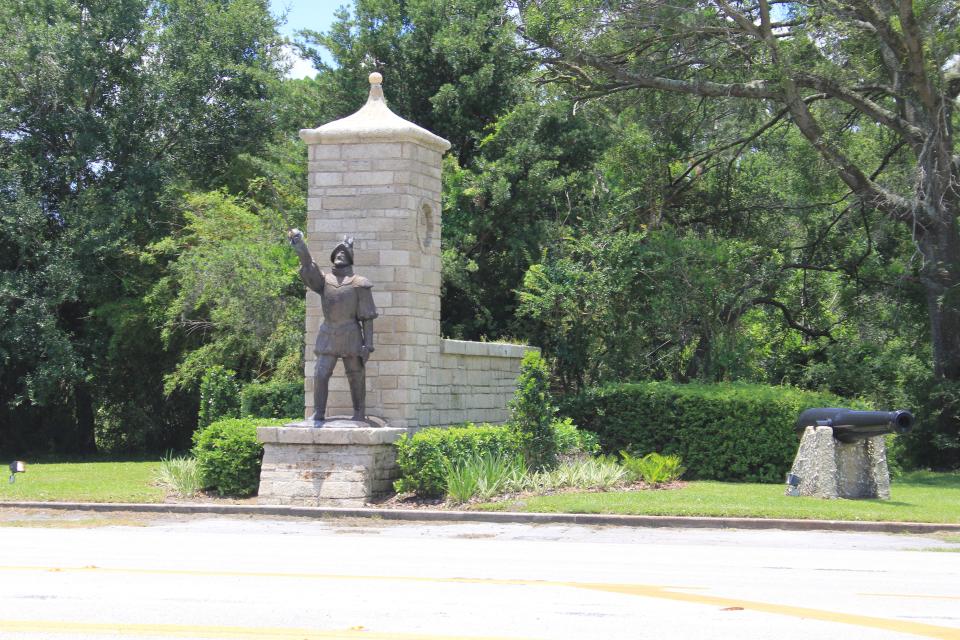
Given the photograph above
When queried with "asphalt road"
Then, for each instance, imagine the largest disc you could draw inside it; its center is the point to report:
(164, 577)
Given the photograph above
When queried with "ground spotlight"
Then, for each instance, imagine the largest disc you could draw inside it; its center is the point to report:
(17, 466)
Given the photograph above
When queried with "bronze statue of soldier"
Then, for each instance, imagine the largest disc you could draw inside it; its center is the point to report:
(347, 329)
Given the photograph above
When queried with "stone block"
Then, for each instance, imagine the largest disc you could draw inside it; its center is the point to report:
(361, 178)
(324, 151)
(368, 151)
(326, 179)
(395, 258)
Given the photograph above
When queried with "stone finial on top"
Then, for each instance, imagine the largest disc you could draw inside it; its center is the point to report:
(376, 90)
(374, 122)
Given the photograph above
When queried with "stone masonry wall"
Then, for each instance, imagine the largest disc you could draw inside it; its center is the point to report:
(470, 381)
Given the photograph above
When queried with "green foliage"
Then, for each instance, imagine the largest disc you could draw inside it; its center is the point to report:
(219, 396)
(935, 439)
(653, 468)
(108, 111)
(734, 432)
(424, 458)
(274, 399)
(573, 442)
(228, 455)
(532, 413)
(663, 304)
(451, 66)
(181, 475)
(233, 277)
(531, 179)
(483, 475)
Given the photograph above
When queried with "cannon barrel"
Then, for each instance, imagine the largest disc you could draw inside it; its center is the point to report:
(849, 425)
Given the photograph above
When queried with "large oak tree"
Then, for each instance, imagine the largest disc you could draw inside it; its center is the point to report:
(837, 71)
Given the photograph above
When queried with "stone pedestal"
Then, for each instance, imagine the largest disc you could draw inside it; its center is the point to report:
(328, 466)
(827, 468)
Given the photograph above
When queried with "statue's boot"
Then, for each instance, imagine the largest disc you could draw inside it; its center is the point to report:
(358, 393)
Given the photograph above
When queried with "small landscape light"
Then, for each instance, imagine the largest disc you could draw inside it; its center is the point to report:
(17, 466)
(793, 485)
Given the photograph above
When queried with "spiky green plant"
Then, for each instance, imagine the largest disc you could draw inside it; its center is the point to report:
(653, 468)
(584, 473)
(181, 475)
(483, 475)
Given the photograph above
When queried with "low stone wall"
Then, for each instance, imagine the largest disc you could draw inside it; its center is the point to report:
(470, 381)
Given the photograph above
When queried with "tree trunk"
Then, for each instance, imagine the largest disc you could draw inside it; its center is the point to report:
(940, 246)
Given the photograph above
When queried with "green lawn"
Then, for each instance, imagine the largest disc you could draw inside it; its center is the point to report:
(916, 497)
(84, 482)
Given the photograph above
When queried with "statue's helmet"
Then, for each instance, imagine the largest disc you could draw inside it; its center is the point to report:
(346, 245)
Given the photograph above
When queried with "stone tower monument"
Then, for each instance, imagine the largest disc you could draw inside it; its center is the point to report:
(376, 177)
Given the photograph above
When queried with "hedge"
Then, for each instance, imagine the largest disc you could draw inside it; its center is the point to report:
(274, 399)
(739, 432)
(228, 454)
(421, 458)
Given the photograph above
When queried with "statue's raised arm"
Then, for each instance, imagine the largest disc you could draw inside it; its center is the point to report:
(295, 236)
(310, 273)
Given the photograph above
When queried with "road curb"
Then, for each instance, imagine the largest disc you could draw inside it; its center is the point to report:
(502, 517)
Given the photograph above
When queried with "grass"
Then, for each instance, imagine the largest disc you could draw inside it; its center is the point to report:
(84, 482)
(921, 496)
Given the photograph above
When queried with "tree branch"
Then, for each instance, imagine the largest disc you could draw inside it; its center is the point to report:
(866, 106)
(756, 89)
(793, 324)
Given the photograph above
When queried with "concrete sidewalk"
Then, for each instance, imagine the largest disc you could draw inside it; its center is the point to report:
(435, 515)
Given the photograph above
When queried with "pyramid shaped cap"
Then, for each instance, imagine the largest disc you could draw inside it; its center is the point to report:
(374, 122)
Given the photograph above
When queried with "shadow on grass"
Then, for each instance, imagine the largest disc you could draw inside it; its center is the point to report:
(50, 458)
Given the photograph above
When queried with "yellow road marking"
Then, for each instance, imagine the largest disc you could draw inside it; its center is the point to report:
(647, 591)
(902, 626)
(191, 631)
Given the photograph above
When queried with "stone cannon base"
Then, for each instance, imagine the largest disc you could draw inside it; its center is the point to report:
(828, 468)
(339, 466)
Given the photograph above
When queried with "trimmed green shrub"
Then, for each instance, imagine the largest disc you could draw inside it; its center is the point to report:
(425, 457)
(228, 454)
(274, 399)
(572, 441)
(219, 396)
(736, 431)
(532, 413)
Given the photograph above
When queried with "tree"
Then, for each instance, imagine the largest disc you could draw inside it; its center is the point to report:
(870, 85)
(108, 110)
(451, 66)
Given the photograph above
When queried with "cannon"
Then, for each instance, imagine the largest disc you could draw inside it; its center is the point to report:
(851, 426)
